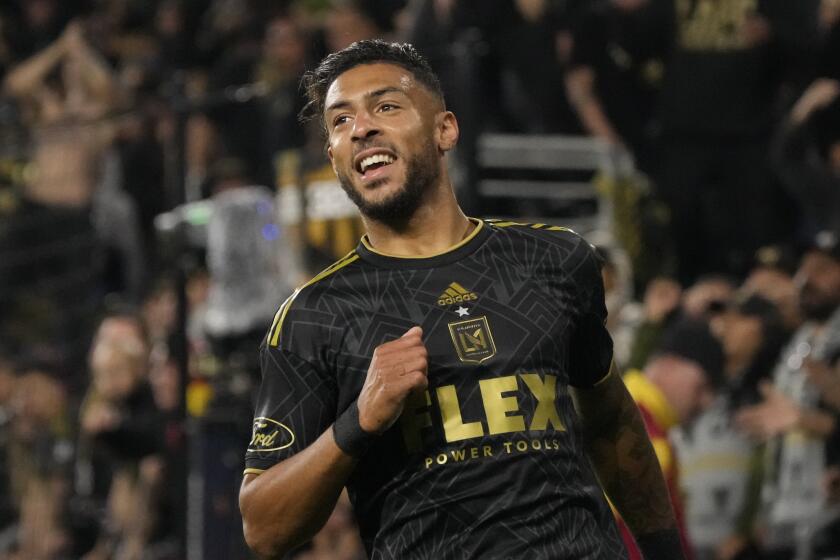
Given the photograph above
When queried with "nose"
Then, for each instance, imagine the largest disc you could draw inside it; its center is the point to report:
(364, 126)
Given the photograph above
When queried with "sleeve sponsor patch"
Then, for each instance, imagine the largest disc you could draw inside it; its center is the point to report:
(270, 435)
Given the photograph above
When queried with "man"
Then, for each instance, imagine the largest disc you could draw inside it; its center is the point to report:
(795, 417)
(429, 370)
(676, 386)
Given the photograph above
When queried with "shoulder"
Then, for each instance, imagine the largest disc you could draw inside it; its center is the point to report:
(562, 238)
(306, 305)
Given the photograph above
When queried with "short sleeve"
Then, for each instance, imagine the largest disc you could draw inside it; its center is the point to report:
(591, 351)
(296, 403)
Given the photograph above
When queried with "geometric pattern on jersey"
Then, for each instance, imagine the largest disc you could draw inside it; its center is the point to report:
(489, 461)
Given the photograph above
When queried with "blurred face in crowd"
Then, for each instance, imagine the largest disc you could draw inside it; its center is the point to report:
(283, 44)
(386, 137)
(116, 370)
(778, 287)
(707, 295)
(818, 279)
(741, 336)
(684, 384)
(345, 25)
(36, 401)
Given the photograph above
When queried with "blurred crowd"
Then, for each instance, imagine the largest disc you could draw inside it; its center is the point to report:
(155, 174)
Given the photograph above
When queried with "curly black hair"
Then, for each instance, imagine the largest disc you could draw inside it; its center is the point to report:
(316, 82)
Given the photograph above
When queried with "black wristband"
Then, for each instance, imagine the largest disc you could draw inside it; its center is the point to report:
(661, 545)
(348, 432)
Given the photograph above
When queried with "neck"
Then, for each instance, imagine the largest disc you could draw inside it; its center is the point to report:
(437, 225)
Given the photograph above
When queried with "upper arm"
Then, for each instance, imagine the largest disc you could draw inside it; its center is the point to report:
(591, 350)
(296, 403)
(604, 405)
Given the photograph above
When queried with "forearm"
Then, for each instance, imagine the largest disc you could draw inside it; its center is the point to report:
(29, 74)
(581, 92)
(287, 504)
(96, 76)
(626, 464)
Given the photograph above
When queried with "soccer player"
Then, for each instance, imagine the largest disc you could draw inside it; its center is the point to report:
(431, 371)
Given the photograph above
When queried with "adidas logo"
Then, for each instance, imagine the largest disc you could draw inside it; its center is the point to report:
(456, 293)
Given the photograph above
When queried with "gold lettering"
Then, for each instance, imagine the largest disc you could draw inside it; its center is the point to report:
(454, 427)
(536, 444)
(488, 451)
(429, 462)
(441, 459)
(507, 445)
(474, 453)
(546, 394)
(556, 444)
(264, 440)
(415, 417)
(522, 446)
(458, 454)
(496, 406)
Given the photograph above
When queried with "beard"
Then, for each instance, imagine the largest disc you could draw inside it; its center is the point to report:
(422, 173)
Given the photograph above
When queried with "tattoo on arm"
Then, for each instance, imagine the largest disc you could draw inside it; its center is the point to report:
(623, 457)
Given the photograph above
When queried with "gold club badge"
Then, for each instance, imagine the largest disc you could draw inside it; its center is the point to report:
(473, 340)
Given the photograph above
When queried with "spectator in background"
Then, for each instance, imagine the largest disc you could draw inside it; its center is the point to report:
(792, 416)
(678, 383)
(120, 438)
(40, 456)
(807, 155)
(721, 81)
(772, 279)
(719, 472)
(660, 306)
(615, 73)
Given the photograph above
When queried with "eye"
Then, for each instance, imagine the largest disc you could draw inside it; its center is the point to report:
(387, 107)
(339, 120)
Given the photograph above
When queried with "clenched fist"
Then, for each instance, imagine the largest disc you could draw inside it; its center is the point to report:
(397, 369)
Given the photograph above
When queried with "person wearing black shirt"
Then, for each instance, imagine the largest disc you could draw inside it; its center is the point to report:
(431, 370)
(721, 81)
(615, 72)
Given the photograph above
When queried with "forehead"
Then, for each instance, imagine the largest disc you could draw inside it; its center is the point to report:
(367, 78)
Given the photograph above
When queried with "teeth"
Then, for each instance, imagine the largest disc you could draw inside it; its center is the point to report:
(376, 158)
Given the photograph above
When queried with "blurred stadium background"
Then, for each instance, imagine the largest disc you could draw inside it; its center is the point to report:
(159, 198)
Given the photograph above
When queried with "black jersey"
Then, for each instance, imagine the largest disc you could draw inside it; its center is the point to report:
(488, 462)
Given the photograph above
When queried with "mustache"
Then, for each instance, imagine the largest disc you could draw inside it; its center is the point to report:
(368, 144)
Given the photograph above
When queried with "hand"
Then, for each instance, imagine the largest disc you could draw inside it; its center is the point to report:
(397, 369)
(662, 296)
(99, 417)
(73, 37)
(773, 416)
(819, 94)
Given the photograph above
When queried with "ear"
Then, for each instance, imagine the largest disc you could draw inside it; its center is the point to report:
(446, 130)
(332, 160)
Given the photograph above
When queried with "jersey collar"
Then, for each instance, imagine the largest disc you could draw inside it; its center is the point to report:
(453, 254)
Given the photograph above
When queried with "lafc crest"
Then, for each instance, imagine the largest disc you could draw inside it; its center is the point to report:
(473, 340)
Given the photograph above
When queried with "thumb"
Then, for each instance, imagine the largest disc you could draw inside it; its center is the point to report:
(415, 330)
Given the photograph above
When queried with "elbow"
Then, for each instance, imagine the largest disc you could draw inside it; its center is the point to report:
(265, 544)
(266, 537)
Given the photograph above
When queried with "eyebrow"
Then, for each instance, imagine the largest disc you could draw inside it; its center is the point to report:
(342, 103)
